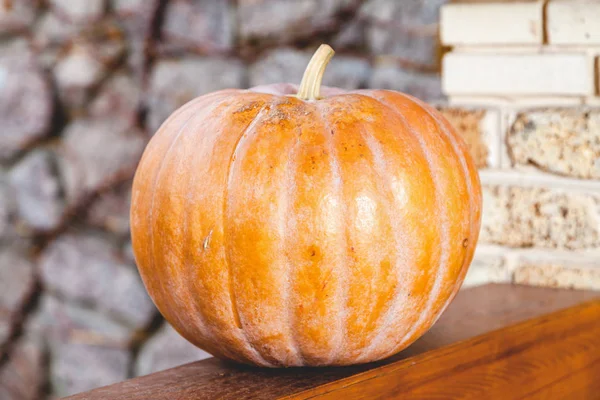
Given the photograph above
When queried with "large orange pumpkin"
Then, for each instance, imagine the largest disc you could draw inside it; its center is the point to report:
(284, 229)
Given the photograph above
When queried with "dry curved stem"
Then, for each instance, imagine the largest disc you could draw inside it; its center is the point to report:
(310, 86)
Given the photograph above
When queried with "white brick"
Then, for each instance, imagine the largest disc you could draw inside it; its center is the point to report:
(573, 22)
(492, 23)
(529, 101)
(570, 74)
(592, 101)
(558, 276)
(539, 180)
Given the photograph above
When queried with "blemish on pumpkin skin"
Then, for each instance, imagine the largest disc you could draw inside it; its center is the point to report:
(207, 241)
(465, 243)
(314, 253)
(248, 107)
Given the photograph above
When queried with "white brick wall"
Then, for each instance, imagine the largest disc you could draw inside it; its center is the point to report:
(492, 23)
(537, 70)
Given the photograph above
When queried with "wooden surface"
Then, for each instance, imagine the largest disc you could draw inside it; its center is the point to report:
(494, 341)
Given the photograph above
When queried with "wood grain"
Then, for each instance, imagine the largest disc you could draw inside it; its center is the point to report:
(494, 341)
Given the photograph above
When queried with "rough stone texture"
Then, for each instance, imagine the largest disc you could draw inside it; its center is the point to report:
(485, 269)
(558, 276)
(287, 65)
(526, 217)
(166, 349)
(95, 153)
(76, 367)
(407, 30)
(55, 321)
(17, 16)
(38, 194)
(132, 7)
(83, 67)
(469, 124)
(8, 210)
(351, 36)
(175, 82)
(561, 141)
(136, 16)
(284, 20)
(119, 98)
(25, 101)
(77, 71)
(87, 268)
(22, 376)
(50, 30)
(17, 283)
(203, 26)
(281, 65)
(347, 72)
(111, 210)
(388, 75)
(78, 11)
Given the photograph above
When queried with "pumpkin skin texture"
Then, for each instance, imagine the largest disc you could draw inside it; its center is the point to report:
(275, 231)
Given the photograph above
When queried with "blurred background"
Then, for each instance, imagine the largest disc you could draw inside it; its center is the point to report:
(85, 83)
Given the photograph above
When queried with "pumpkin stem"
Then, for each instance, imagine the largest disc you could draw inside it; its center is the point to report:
(310, 87)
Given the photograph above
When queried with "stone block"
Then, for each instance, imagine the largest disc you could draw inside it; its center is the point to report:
(95, 153)
(83, 67)
(166, 349)
(77, 11)
(480, 129)
(203, 26)
(78, 367)
(25, 101)
(407, 30)
(283, 21)
(56, 321)
(175, 82)
(17, 16)
(561, 141)
(87, 268)
(110, 211)
(38, 192)
(540, 217)
(558, 276)
(279, 66)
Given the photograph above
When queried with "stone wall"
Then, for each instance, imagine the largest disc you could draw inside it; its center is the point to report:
(522, 84)
(84, 84)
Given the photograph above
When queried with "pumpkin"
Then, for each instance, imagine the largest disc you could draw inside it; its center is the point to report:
(282, 226)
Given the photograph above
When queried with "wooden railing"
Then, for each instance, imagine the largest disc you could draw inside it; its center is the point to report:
(493, 342)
